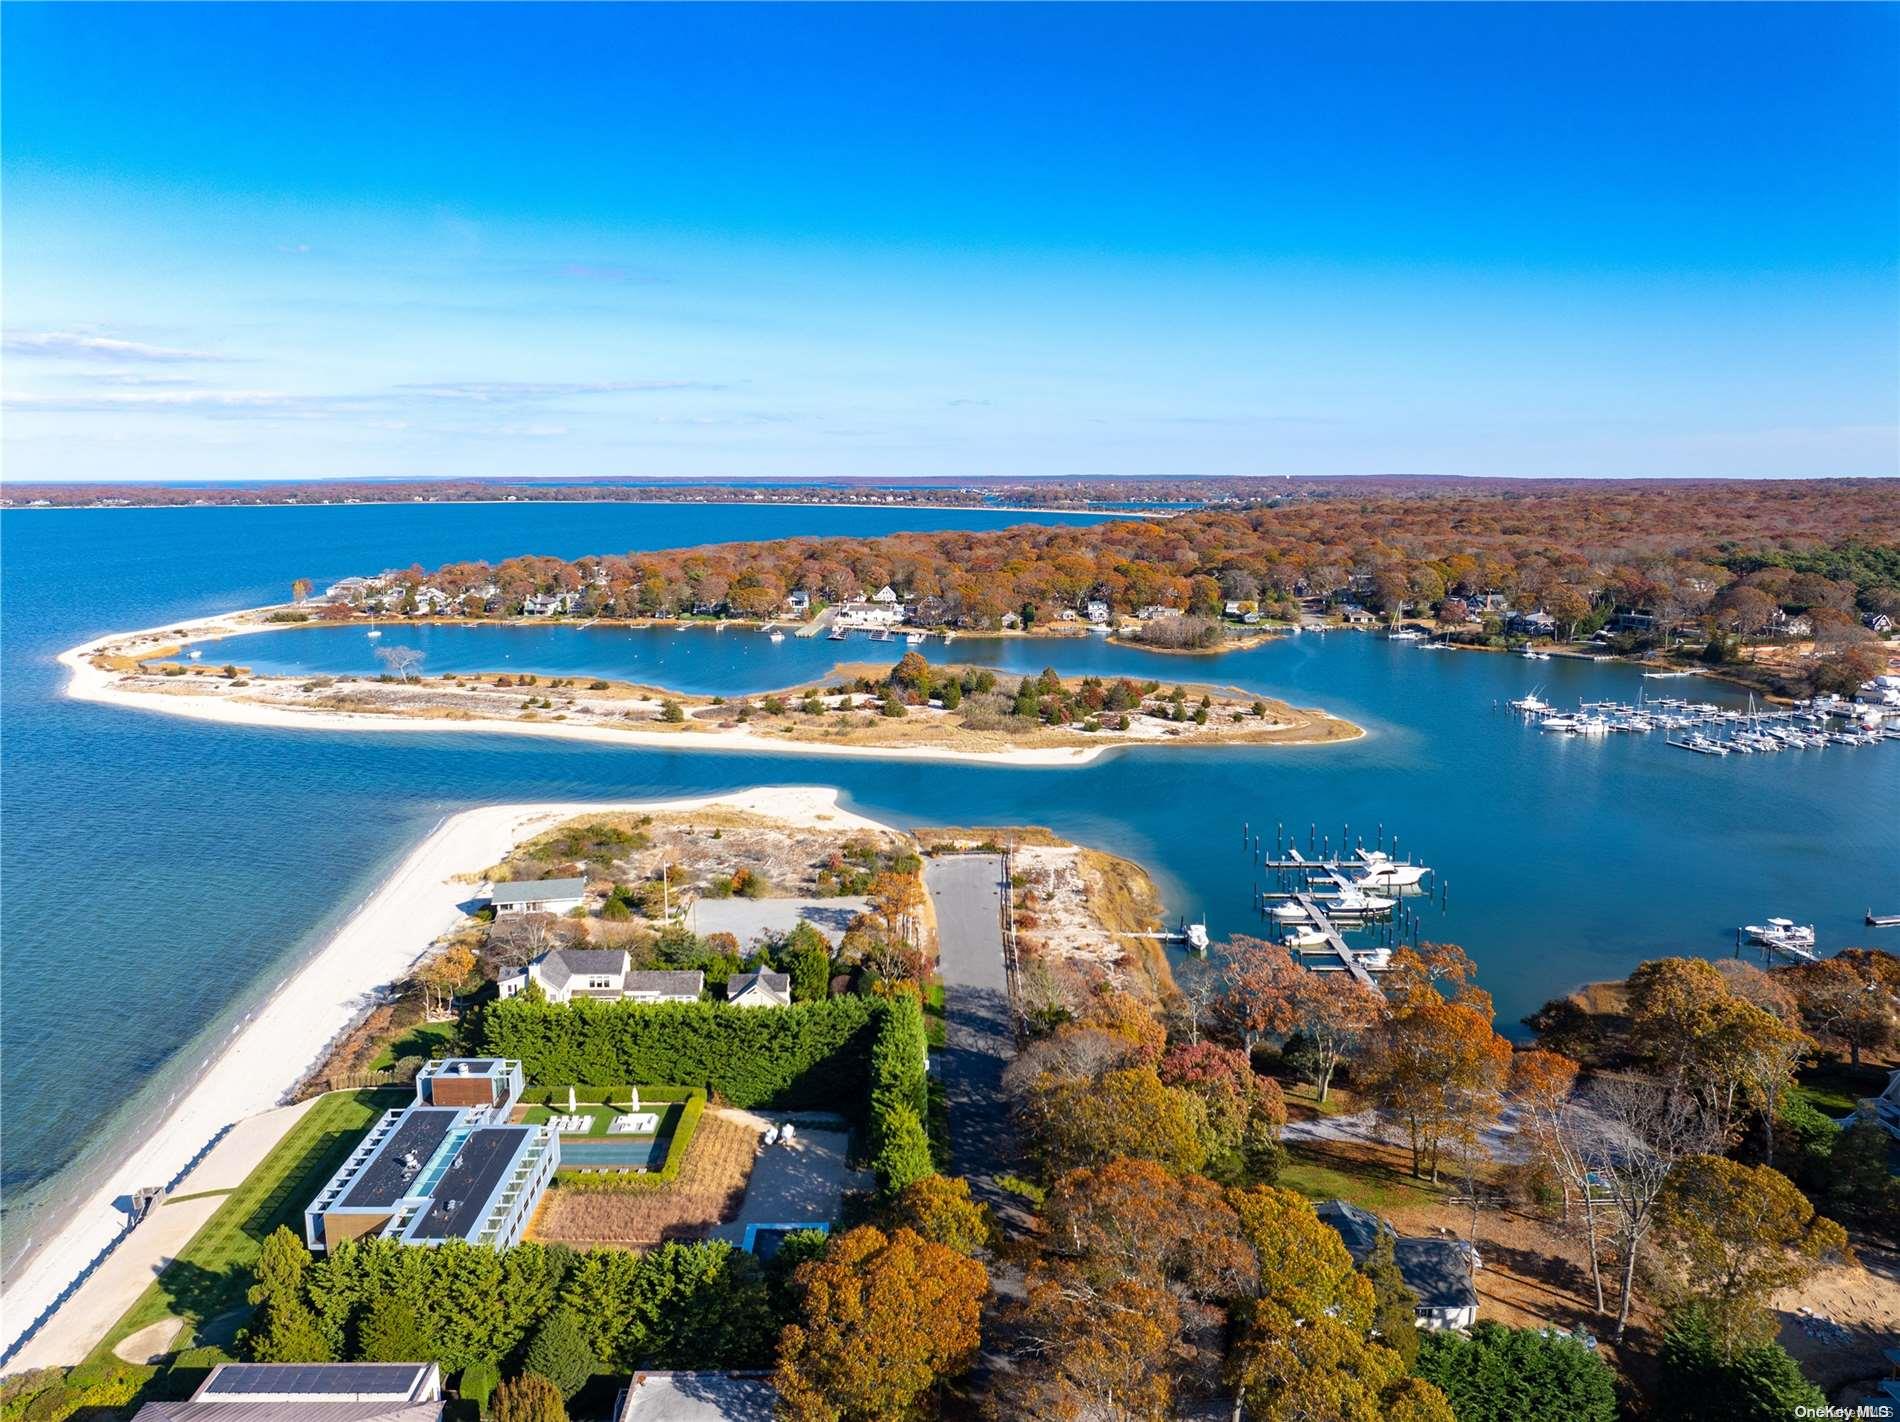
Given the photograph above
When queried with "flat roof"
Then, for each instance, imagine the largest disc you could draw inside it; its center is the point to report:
(352, 1382)
(387, 1177)
(456, 1203)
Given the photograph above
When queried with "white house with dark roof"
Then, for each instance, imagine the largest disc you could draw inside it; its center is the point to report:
(1442, 1272)
(556, 896)
(564, 974)
(761, 989)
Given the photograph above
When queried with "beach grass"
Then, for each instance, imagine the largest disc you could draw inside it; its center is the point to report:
(206, 1283)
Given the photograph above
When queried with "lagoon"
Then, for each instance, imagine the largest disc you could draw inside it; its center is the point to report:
(162, 875)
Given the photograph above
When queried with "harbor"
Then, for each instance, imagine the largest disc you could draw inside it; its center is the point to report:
(1704, 728)
(1315, 899)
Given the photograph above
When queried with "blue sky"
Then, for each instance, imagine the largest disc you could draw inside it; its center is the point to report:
(284, 241)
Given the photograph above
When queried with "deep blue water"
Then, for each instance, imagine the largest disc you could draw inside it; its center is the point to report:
(162, 875)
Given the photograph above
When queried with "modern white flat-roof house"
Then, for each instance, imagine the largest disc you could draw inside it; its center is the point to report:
(556, 896)
(446, 1166)
(606, 973)
(762, 989)
(698, 1397)
(309, 1392)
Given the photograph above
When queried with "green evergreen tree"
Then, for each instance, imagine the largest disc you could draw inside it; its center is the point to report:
(1395, 1307)
(391, 1333)
(561, 1354)
(1761, 1384)
(478, 1383)
(904, 1155)
(1503, 1374)
(284, 1328)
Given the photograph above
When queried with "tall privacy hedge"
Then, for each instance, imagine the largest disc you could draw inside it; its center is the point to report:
(810, 1056)
(900, 1148)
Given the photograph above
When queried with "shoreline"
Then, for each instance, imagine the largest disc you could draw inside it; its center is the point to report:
(275, 1048)
(86, 682)
(597, 503)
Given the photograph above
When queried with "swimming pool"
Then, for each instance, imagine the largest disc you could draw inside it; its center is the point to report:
(647, 1152)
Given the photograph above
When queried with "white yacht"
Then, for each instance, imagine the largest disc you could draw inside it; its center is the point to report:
(1383, 871)
(913, 637)
(1782, 930)
(1405, 634)
(777, 636)
(1532, 705)
(1289, 913)
(1307, 937)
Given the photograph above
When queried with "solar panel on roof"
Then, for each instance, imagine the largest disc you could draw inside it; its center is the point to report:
(254, 1379)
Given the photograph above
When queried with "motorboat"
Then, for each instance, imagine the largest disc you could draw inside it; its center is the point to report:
(1307, 937)
(1532, 705)
(1382, 870)
(1593, 726)
(837, 635)
(1787, 928)
(778, 636)
(1405, 634)
(1353, 902)
(1289, 913)
(1568, 725)
(1530, 656)
(374, 632)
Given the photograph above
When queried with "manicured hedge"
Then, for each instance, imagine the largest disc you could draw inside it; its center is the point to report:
(900, 1090)
(610, 1181)
(556, 1096)
(810, 1056)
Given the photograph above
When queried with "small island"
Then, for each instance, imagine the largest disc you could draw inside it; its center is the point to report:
(909, 709)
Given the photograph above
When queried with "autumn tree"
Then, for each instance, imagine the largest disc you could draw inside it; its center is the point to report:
(1262, 983)
(528, 1398)
(1638, 1133)
(1851, 1000)
(1434, 1066)
(940, 1209)
(882, 1321)
(1735, 1235)
(1124, 1112)
(1332, 1013)
(898, 899)
(1304, 1346)
(442, 975)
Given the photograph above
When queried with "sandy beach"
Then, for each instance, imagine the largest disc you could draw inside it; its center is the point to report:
(274, 1049)
(88, 682)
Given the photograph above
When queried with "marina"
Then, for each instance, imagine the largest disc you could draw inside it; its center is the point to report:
(1320, 900)
(1705, 728)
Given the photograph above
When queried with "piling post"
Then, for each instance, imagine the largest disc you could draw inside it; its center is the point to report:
(1244, 834)
(1312, 833)
(1381, 840)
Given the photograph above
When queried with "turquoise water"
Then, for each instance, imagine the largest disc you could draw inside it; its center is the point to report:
(161, 876)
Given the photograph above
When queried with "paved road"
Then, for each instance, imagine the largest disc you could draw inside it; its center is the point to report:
(966, 891)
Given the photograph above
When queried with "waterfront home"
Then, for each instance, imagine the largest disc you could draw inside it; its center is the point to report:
(798, 603)
(549, 604)
(760, 989)
(564, 974)
(1440, 1271)
(929, 612)
(1065, 614)
(1096, 611)
(1533, 624)
(1155, 612)
(1877, 622)
(886, 594)
(556, 896)
(698, 1397)
(309, 1392)
(1884, 1111)
(870, 614)
(446, 1166)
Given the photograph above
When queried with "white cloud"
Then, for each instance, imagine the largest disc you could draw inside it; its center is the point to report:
(77, 345)
(149, 400)
(512, 391)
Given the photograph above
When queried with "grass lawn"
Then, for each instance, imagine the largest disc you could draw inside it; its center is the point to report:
(420, 1040)
(1836, 1088)
(1369, 1183)
(209, 1278)
(934, 1026)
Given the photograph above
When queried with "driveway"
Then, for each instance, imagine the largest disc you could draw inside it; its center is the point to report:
(967, 893)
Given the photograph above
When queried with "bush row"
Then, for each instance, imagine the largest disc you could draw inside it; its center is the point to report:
(899, 1096)
(607, 1182)
(812, 1055)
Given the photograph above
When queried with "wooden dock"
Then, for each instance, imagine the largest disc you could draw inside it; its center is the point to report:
(1347, 959)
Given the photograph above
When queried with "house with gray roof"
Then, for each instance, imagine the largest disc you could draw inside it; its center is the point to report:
(556, 896)
(761, 989)
(564, 974)
(1442, 1272)
(309, 1392)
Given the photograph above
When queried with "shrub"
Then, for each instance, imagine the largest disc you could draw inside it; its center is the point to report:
(529, 1398)
(391, 1333)
(939, 1208)
(478, 1383)
(561, 1354)
(812, 1054)
(671, 713)
(1762, 1384)
(597, 685)
(902, 1156)
(1518, 1375)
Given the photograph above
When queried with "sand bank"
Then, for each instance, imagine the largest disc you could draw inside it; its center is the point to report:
(91, 1271)
(106, 684)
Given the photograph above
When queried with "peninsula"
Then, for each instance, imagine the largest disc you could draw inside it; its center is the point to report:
(912, 710)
